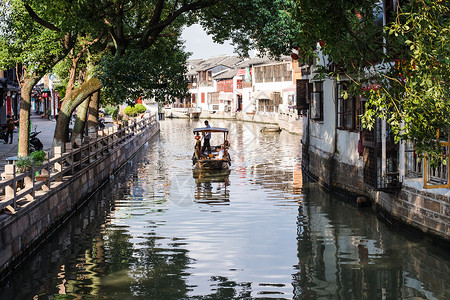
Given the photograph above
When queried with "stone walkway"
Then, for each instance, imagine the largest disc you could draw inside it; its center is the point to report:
(47, 129)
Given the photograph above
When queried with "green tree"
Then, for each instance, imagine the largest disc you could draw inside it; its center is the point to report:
(26, 42)
(414, 94)
(131, 30)
(402, 68)
(267, 26)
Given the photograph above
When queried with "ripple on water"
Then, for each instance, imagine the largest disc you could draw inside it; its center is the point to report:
(158, 232)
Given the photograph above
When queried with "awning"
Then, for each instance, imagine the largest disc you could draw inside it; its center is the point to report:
(226, 96)
(290, 88)
(210, 129)
(262, 95)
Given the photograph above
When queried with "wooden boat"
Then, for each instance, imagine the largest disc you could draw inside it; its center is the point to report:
(271, 128)
(219, 158)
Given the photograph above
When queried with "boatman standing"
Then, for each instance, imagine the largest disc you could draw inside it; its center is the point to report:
(207, 137)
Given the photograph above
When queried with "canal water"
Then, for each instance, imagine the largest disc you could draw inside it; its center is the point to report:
(263, 231)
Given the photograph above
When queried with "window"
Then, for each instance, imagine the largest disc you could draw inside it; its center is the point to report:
(348, 108)
(213, 98)
(303, 91)
(316, 111)
(225, 85)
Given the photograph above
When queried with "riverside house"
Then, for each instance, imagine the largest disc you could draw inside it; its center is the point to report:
(343, 156)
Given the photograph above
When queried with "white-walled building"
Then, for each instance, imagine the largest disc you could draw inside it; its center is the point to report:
(343, 155)
(202, 85)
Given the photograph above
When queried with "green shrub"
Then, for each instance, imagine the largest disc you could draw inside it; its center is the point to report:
(111, 110)
(24, 163)
(133, 111)
(38, 157)
(34, 159)
(130, 111)
(140, 108)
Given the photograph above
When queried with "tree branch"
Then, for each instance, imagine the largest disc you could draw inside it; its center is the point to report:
(39, 20)
(156, 26)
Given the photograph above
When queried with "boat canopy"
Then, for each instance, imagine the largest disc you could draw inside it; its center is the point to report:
(210, 129)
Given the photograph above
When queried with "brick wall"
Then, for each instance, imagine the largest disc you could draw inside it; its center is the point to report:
(424, 210)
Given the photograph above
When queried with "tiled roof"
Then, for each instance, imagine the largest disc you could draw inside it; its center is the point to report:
(233, 62)
(263, 60)
(193, 66)
(227, 74)
(211, 62)
(254, 61)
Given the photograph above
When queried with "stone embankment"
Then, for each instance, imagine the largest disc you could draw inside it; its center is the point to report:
(288, 121)
(37, 201)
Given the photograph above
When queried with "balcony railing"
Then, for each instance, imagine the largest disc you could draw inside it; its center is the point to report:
(434, 176)
(206, 83)
(437, 176)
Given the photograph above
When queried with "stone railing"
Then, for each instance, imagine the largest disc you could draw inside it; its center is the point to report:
(18, 189)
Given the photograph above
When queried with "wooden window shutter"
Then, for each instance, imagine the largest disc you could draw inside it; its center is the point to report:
(302, 94)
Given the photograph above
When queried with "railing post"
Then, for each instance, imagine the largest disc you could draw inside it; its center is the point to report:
(110, 139)
(59, 164)
(69, 149)
(29, 183)
(11, 190)
(100, 143)
(78, 156)
(92, 147)
(46, 171)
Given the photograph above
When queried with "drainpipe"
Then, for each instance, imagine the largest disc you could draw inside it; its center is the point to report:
(334, 144)
(402, 158)
(383, 148)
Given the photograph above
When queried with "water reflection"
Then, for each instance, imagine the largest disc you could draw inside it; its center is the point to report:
(346, 253)
(160, 231)
(211, 186)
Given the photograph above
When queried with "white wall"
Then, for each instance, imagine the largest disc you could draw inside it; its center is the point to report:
(248, 105)
(347, 145)
(272, 86)
(198, 96)
(322, 133)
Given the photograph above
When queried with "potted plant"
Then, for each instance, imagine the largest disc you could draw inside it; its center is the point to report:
(24, 164)
(37, 158)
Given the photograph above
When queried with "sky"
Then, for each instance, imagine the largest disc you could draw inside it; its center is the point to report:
(201, 45)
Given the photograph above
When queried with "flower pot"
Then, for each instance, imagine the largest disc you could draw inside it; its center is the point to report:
(41, 177)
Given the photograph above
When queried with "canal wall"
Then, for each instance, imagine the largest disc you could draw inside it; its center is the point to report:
(71, 178)
(412, 207)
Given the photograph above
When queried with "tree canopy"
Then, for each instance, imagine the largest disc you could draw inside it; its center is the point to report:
(402, 67)
(132, 48)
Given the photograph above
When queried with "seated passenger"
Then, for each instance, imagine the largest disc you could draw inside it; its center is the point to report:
(198, 144)
(220, 151)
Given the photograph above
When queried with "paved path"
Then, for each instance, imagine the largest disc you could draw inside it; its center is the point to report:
(47, 129)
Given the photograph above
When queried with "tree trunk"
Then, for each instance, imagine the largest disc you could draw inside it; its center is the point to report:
(80, 121)
(25, 108)
(71, 101)
(93, 112)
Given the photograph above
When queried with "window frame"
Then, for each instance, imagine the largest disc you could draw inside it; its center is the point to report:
(316, 102)
(347, 109)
